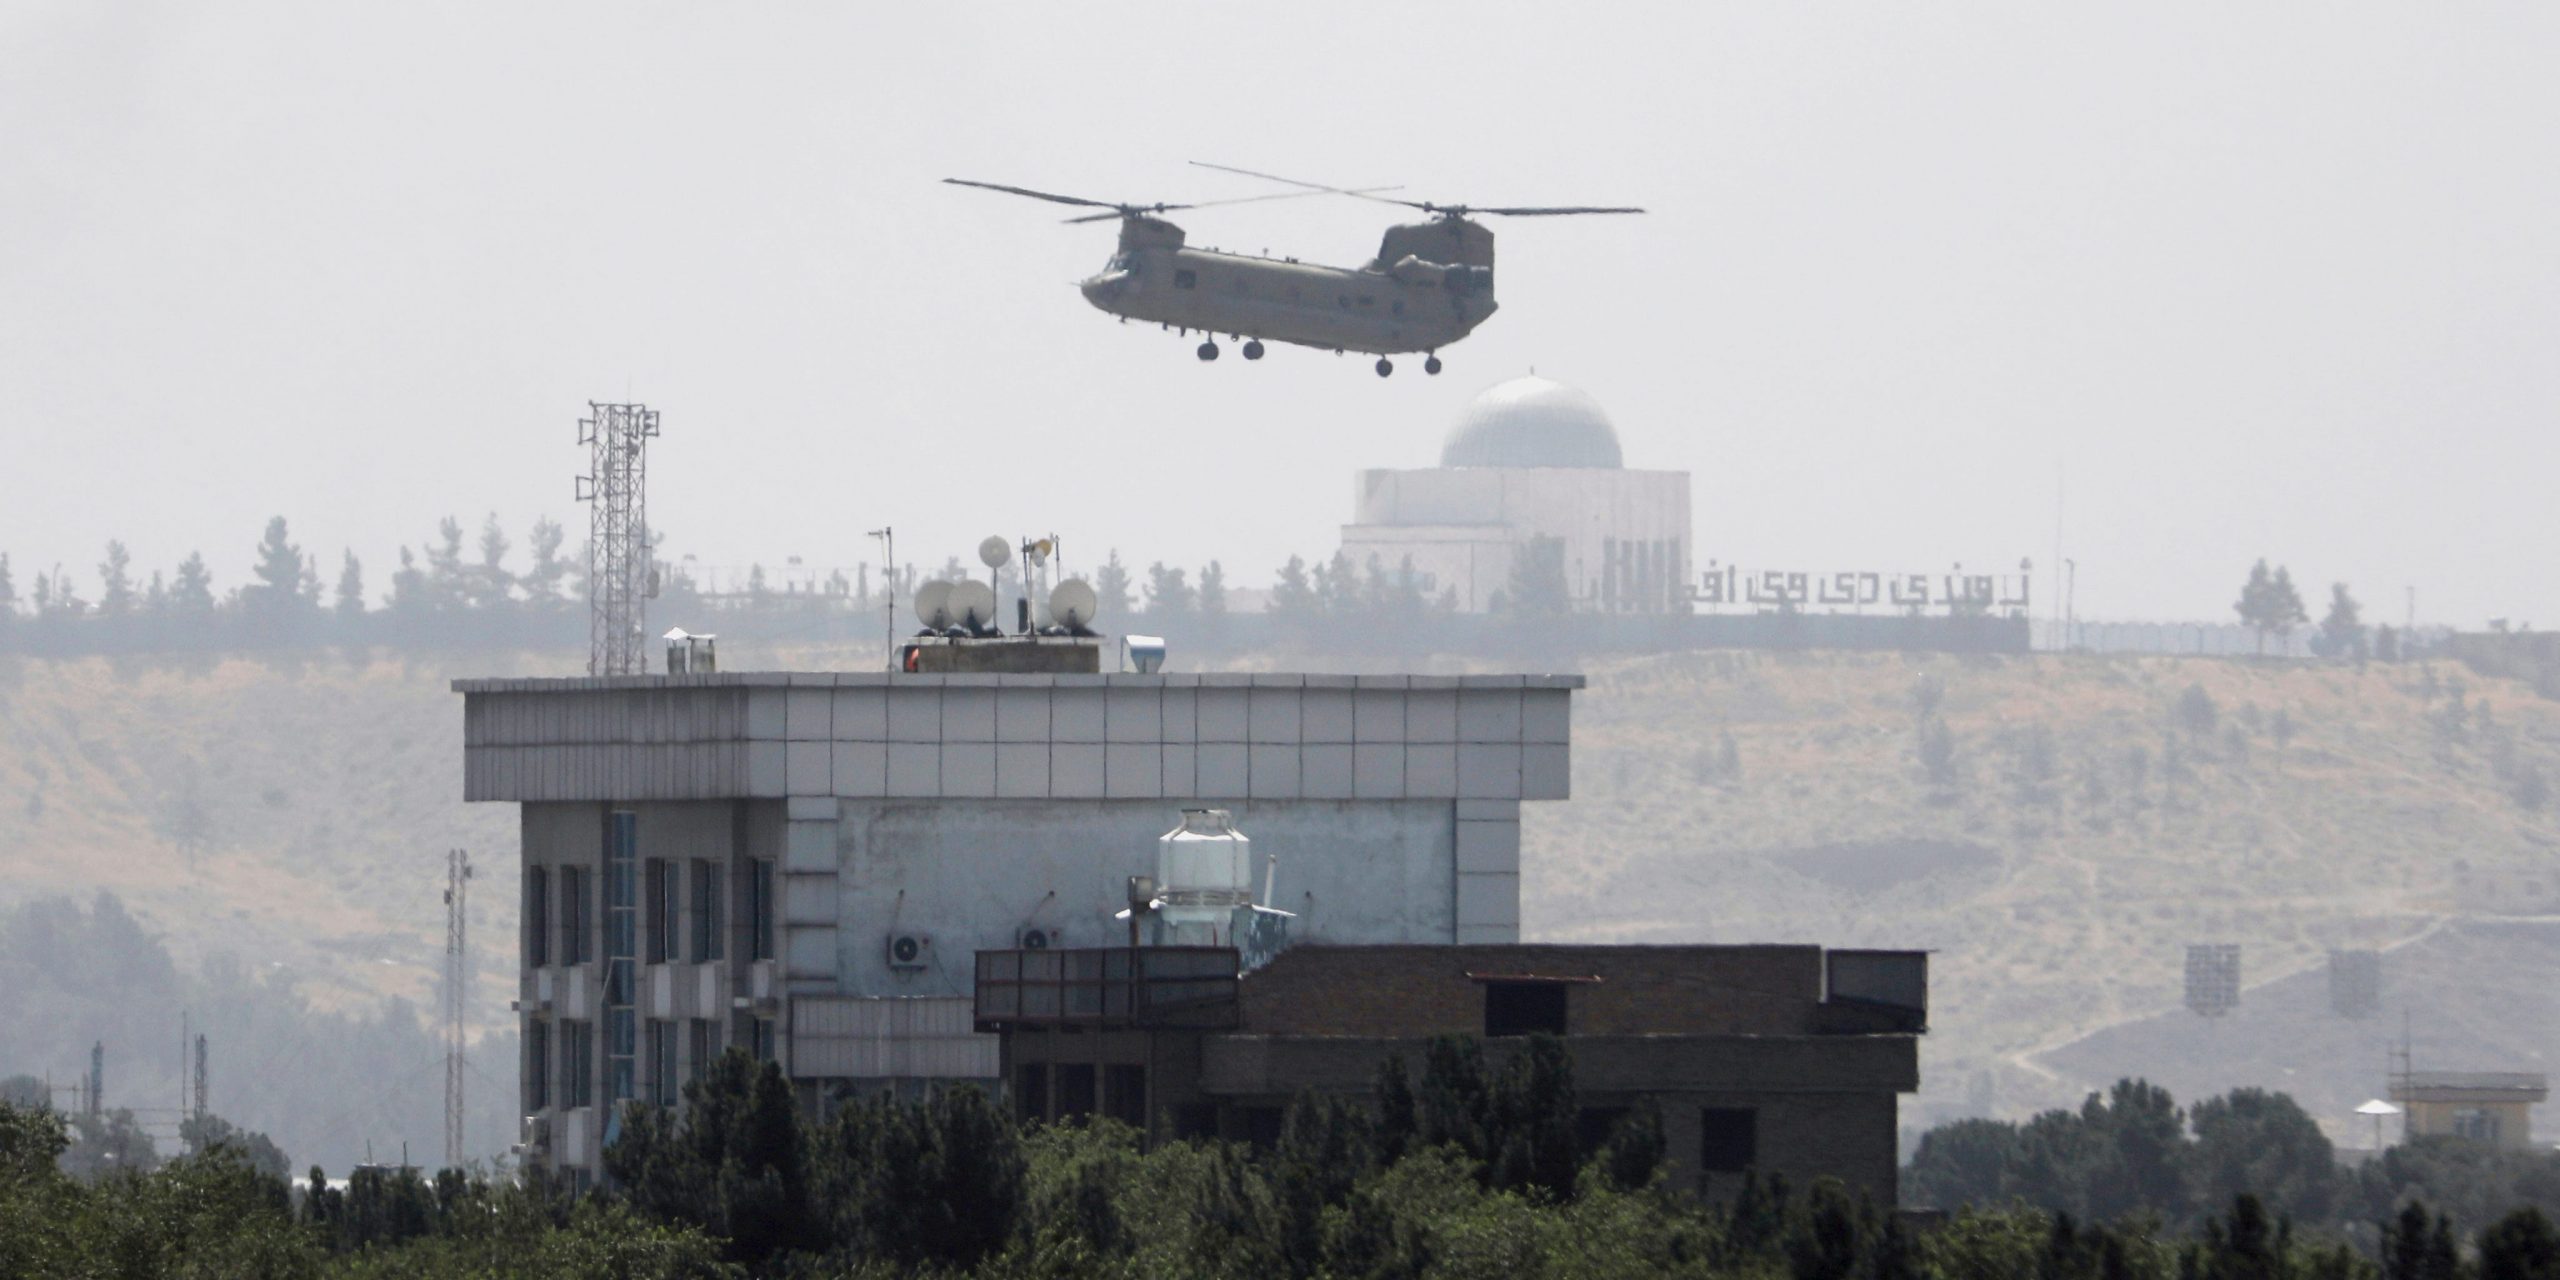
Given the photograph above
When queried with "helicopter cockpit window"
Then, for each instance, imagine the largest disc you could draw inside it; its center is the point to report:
(1186, 279)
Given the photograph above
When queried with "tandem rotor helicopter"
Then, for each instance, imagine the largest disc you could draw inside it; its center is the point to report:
(1430, 285)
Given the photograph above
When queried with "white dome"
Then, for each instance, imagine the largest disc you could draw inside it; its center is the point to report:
(1532, 422)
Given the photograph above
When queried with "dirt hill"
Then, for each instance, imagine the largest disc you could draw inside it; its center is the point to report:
(2085, 820)
(2055, 829)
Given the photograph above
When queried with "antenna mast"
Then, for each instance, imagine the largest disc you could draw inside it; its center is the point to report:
(200, 1108)
(620, 578)
(457, 979)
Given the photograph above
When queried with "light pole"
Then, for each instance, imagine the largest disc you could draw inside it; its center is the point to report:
(888, 536)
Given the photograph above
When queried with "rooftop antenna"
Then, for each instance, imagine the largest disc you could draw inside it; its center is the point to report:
(620, 579)
(457, 982)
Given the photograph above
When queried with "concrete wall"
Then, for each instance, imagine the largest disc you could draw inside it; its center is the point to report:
(1406, 991)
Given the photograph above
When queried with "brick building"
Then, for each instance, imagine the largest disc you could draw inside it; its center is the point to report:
(1784, 1059)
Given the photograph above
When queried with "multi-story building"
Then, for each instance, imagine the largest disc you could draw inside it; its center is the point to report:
(807, 863)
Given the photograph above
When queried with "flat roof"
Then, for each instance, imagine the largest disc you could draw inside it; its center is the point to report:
(876, 679)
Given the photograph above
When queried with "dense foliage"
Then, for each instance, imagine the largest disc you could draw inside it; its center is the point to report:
(1467, 1170)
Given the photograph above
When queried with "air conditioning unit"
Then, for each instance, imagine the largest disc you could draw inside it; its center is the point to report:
(910, 950)
(1033, 937)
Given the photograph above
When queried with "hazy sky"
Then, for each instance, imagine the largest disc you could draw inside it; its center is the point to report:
(2252, 280)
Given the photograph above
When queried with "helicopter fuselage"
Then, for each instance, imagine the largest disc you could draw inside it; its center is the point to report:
(1431, 284)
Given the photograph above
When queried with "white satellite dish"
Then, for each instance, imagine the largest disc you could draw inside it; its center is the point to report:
(1072, 604)
(933, 605)
(972, 604)
(1040, 551)
(994, 552)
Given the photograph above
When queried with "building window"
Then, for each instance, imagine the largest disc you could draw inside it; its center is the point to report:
(2476, 1123)
(1074, 1085)
(662, 1062)
(760, 909)
(1729, 1139)
(1186, 278)
(537, 917)
(1524, 1008)
(621, 955)
(573, 915)
(577, 1064)
(705, 1046)
(1124, 1093)
(659, 898)
(706, 911)
(1031, 1091)
(537, 1065)
(762, 1030)
(1592, 1127)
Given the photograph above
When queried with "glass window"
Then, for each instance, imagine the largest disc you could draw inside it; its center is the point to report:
(621, 955)
(1524, 1008)
(662, 1062)
(1186, 278)
(707, 920)
(705, 1046)
(1730, 1139)
(764, 1046)
(537, 916)
(577, 1064)
(659, 899)
(760, 910)
(537, 1065)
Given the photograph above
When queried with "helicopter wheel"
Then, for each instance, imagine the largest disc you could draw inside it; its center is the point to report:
(1385, 366)
(1208, 351)
(1253, 349)
(1431, 366)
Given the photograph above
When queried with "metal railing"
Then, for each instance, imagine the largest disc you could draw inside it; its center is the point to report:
(1107, 987)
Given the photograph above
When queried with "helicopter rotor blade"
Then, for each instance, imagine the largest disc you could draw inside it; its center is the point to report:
(1050, 196)
(1124, 210)
(1539, 212)
(1363, 193)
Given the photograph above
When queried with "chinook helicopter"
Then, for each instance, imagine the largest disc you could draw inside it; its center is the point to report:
(1430, 285)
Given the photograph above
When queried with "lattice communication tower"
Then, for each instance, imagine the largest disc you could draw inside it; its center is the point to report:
(457, 984)
(2213, 978)
(199, 1108)
(619, 574)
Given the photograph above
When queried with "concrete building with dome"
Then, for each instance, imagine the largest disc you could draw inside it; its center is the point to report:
(1532, 492)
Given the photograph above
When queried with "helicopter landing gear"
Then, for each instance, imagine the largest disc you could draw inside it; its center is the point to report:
(1208, 351)
(1385, 366)
(1253, 349)
(1431, 365)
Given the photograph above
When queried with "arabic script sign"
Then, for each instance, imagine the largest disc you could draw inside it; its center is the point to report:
(1956, 591)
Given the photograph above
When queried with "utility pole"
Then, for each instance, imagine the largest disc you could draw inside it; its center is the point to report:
(200, 1107)
(457, 980)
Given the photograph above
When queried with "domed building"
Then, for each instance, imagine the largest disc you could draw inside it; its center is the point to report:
(1532, 498)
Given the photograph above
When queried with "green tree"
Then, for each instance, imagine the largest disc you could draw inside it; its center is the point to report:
(1111, 587)
(1169, 593)
(448, 579)
(115, 582)
(490, 584)
(350, 586)
(2520, 1246)
(2342, 630)
(1213, 590)
(542, 582)
(2269, 603)
(1537, 587)
(278, 573)
(206, 1133)
(1292, 595)
(192, 592)
(2261, 1143)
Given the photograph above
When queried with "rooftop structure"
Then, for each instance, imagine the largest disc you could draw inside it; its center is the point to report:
(1531, 499)
(2495, 1107)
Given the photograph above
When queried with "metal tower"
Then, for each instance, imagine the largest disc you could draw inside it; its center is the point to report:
(200, 1080)
(457, 981)
(619, 576)
(97, 1076)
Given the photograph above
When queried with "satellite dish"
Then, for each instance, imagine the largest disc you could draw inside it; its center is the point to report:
(1072, 604)
(972, 605)
(994, 552)
(1040, 551)
(933, 605)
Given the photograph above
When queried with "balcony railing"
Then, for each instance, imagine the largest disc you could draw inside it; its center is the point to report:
(1183, 988)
